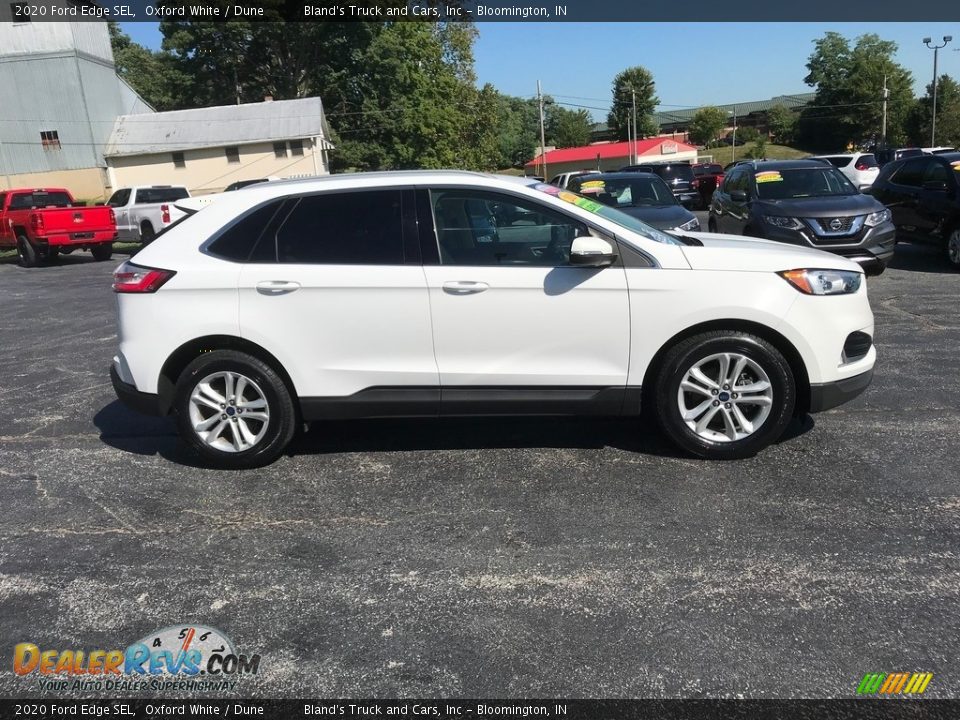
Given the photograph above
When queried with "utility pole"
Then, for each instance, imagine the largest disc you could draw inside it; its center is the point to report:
(633, 149)
(629, 146)
(933, 115)
(733, 147)
(883, 128)
(543, 134)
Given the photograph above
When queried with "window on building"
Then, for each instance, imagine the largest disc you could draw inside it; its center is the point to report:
(50, 140)
(179, 160)
(280, 149)
(233, 154)
(296, 147)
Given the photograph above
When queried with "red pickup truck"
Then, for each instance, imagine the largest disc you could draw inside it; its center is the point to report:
(43, 223)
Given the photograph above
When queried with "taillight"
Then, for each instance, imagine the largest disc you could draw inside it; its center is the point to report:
(130, 278)
(861, 166)
(165, 214)
(113, 216)
(695, 183)
(36, 223)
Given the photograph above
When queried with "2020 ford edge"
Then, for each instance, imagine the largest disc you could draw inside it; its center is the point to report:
(454, 293)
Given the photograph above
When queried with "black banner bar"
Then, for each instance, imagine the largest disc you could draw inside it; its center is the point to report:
(554, 709)
(481, 10)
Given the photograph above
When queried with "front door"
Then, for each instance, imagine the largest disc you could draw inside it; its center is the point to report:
(516, 328)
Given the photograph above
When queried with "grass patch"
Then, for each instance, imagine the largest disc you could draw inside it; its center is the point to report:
(724, 155)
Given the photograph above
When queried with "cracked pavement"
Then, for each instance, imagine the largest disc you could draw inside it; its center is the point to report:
(489, 558)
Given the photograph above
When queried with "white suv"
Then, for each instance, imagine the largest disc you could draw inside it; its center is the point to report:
(452, 293)
(860, 168)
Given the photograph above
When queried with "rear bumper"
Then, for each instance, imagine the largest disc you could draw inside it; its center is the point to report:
(146, 403)
(824, 396)
(70, 239)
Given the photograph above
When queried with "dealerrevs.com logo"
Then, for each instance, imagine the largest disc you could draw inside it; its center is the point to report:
(179, 657)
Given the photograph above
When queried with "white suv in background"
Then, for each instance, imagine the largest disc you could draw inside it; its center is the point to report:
(451, 293)
(860, 168)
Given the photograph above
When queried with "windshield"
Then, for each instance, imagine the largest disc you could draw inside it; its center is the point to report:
(618, 217)
(631, 192)
(793, 183)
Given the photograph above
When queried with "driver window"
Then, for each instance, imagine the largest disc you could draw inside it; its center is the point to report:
(486, 228)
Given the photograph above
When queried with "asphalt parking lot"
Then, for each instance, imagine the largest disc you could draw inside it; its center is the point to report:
(489, 558)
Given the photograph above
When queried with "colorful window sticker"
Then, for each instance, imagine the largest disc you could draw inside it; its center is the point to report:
(955, 165)
(592, 186)
(769, 176)
(548, 189)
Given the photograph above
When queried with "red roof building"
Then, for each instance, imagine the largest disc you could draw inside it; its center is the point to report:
(611, 156)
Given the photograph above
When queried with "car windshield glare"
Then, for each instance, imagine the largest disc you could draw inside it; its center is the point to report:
(788, 184)
(611, 214)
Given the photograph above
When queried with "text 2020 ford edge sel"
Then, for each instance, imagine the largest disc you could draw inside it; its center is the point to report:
(453, 293)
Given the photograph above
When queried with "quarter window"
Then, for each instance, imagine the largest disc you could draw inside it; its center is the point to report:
(119, 198)
(239, 240)
(484, 228)
(353, 228)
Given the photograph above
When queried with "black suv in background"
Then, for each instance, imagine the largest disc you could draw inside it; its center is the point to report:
(923, 194)
(678, 175)
(804, 202)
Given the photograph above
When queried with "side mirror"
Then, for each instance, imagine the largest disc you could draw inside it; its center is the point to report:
(936, 185)
(738, 196)
(589, 251)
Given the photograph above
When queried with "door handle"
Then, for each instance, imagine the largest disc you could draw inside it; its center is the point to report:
(464, 287)
(277, 287)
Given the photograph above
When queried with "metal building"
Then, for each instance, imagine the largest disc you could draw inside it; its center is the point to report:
(61, 97)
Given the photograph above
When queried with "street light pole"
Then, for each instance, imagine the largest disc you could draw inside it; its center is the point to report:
(936, 49)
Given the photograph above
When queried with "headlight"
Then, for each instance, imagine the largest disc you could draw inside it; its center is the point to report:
(788, 223)
(878, 218)
(824, 282)
(690, 225)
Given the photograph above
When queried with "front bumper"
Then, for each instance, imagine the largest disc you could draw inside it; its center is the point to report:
(824, 396)
(146, 403)
(872, 248)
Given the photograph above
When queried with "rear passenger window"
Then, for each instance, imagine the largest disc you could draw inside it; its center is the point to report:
(910, 173)
(239, 240)
(352, 228)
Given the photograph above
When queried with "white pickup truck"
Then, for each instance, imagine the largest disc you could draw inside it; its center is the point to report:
(142, 212)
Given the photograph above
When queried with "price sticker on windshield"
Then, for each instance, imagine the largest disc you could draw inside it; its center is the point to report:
(769, 176)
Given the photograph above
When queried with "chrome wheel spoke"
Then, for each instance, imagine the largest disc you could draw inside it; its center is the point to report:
(696, 412)
(236, 401)
(697, 374)
(738, 367)
(745, 424)
(705, 420)
(728, 425)
(694, 387)
(753, 400)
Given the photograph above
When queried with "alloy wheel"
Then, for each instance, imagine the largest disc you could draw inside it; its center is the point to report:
(229, 412)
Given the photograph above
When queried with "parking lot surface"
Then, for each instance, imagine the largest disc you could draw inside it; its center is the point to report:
(489, 558)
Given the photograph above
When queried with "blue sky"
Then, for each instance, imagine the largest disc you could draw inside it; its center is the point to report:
(692, 63)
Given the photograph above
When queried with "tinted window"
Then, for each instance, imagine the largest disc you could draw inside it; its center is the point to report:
(866, 161)
(119, 198)
(149, 196)
(642, 191)
(791, 183)
(911, 173)
(39, 200)
(674, 172)
(936, 172)
(352, 228)
(484, 228)
(736, 180)
(839, 161)
(238, 241)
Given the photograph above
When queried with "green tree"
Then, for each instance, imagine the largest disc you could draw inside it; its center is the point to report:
(849, 92)
(635, 81)
(154, 75)
(706, 124)
(747, 133)
(518, 130)
(948, 114)
(759, 149)
(567, 128)
(782, 123)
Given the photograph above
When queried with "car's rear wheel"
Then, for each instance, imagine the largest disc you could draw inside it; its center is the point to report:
(26, 252)
(102, 252)
(725, 394)
(953, 247)
(147, 233)
(234, 409)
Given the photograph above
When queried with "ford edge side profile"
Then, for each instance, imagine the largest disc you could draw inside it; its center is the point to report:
(446, 293)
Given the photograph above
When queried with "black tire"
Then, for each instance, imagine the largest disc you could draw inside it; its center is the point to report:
(147, 233)
(102, 252)
(712, 225)
(279, 428)
(26, 252)
(952, 247)
(52, 254)
(685, 355)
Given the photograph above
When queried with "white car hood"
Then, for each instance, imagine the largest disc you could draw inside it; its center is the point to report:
(733, 252)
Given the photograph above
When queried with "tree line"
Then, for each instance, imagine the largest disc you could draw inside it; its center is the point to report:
(404, 95)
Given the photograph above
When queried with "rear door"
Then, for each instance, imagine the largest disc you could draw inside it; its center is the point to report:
(903, 192)
(516, 328)
(937, 196)
(335, 288)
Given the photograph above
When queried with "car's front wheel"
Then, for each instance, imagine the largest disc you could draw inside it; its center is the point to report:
(234, 409)
(725, 394)
(953, 247)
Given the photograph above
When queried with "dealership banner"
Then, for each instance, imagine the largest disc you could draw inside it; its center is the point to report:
(486, 709)
(479, 10)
